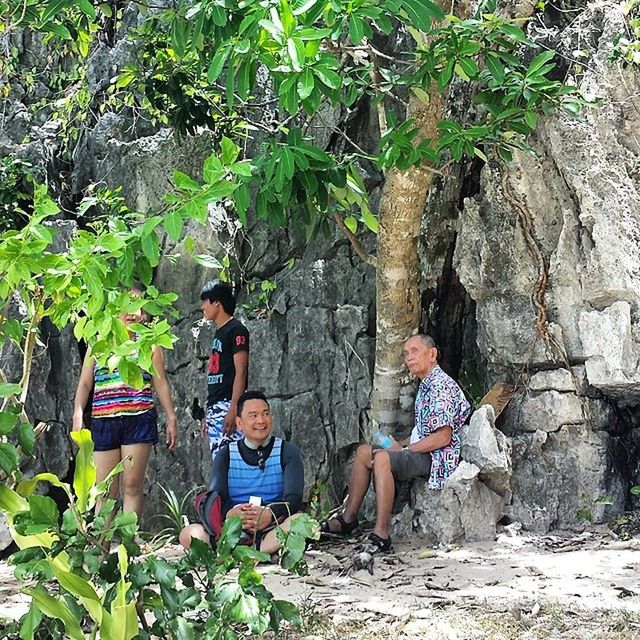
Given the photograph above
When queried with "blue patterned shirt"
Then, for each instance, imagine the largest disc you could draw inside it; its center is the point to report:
(440, 403)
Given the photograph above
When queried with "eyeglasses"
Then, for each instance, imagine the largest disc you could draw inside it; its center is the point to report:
(261, 460)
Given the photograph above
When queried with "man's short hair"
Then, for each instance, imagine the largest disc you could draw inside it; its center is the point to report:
(428, 340)
(218, 291)
(250, 395)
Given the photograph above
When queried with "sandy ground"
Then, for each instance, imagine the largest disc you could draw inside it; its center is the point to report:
(582, 586)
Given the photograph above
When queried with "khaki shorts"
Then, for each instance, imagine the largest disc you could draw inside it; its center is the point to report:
(407, 465)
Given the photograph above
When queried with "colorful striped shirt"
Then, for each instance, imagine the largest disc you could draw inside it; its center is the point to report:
(112, 397)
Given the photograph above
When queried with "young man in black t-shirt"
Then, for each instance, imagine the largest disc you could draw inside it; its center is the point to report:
(228, 364)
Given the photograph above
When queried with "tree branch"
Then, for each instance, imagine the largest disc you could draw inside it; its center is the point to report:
(364, 255)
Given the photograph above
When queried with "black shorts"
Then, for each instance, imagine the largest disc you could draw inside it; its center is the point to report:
(407, 465)
(112, 433)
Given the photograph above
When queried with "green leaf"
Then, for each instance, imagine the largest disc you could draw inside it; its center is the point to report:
(130, 373)
(300, 6)
(495, 67)
(531, 119)
(185, 182)
(460, 72)
(7, 422)
(230, 151)
(288, 163)
(312, 34)
(151, 248)
(30, 622)
(243, 168)
(305, 84)
(56, 608)
(80, 587)
(44, 511)
(635, 490)
(10, 501)
(242, 201)
(84, 476)
(513, 32)
(351, 223)
(210, 262)
(9, 458)
(217, 64)
(178, 35)
(478, 152)
(368, 218)
(86, 7)
(173, 224)
(328, 77)
(26, 437)
(53, 8)
(288, 611)
(356, 29)
(212, 170)
(295, 48)
(9, 389)
(276, 33)
(539, 61)
(246, 609)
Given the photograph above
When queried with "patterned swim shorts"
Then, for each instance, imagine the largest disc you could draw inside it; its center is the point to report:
(215, 416)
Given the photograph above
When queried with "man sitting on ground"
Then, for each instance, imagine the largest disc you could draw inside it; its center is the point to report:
(431, 451)
(260, 466)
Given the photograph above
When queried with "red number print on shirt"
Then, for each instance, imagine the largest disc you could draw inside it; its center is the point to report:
(241, 340)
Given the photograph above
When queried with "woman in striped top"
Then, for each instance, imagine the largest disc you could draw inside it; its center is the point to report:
(124, 421)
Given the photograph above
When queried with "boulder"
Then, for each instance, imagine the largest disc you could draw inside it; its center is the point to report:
(473, 498)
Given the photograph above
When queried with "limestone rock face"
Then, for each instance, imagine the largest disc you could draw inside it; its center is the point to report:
(578, 199)
(563, 323)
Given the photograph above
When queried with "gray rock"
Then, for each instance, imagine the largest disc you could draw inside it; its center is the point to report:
(488, 449)
(556, 474)
(5, 535)
(465, 509)
(612, 352)
(559, 380)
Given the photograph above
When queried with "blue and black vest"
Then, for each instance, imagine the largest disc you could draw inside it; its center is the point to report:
(245, 481)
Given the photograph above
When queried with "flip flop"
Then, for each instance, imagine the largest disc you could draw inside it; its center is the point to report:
(383, 545)
(346, 528)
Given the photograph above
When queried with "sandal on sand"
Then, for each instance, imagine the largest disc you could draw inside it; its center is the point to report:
(383, 545)
(346, 528)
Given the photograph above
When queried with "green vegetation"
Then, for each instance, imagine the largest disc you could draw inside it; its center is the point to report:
(273, 68)
(88, 578)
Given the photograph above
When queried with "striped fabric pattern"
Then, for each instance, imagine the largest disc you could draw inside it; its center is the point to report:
(246, 481)
(112, 397)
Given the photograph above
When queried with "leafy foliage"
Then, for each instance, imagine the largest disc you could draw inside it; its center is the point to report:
(84, 585)
(278, 67)
(15, 198)
(626, 45)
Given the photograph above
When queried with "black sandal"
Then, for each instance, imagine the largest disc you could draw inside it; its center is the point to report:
(383, 545)
(346, 528)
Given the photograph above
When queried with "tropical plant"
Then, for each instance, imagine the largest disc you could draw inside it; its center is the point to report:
(176, 514)
(84, 584)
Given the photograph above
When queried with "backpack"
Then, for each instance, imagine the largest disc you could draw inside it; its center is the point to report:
(208, 506)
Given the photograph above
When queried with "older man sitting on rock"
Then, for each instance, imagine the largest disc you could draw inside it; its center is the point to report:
(431, 451)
